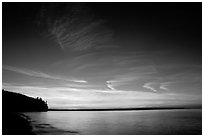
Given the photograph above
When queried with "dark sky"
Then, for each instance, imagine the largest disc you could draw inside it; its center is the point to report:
(99, 54)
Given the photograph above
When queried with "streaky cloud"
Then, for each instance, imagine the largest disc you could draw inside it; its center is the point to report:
(109, 85)
(164, 86)
(80, 81)
(85, 97)
(39, 74)
(149, 86)
(75, 28)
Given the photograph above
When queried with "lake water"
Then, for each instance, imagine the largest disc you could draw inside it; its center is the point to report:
(144, 122)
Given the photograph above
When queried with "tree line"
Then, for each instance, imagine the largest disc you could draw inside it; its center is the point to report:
(16, 102)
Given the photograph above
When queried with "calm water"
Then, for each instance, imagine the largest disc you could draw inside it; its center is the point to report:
(146, 122)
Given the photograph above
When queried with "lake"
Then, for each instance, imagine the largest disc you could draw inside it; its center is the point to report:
(139, 122)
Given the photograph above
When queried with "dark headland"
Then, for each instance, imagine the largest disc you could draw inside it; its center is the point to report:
(13, 121)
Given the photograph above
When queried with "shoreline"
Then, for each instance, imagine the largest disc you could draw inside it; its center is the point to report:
(124, 109)
(16, 124)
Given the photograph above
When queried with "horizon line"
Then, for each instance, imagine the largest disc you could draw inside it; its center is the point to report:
(122, 109)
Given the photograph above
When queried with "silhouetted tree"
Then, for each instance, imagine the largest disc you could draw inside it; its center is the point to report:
(16, 102)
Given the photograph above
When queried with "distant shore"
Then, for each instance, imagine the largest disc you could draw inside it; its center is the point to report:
(127, 109)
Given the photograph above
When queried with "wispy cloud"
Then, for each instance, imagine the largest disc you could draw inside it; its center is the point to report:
(149, 85)
(66, 97)
(158, 86)
(82, 85)
(39, 74)
(165, 85)
(115, 66)
(109, 85)
(80, 81)
(120, 81)
(188, 81)
(76, 28)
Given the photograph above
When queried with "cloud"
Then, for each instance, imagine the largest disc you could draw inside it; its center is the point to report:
(56, 91)
(27, 72)
(124, 79)
(149, 85)
(157, 86)
(82, 85)
(109, 85)
(75, 28)
(80, 81)
(39, 74)
(114, 66)
(63, 96)
(164, 86)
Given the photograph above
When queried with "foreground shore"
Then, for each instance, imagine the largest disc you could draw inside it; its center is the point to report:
(16, 124)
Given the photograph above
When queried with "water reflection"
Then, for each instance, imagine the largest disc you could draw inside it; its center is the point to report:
(118, 122)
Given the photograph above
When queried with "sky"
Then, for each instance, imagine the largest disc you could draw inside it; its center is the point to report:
(104, 55)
